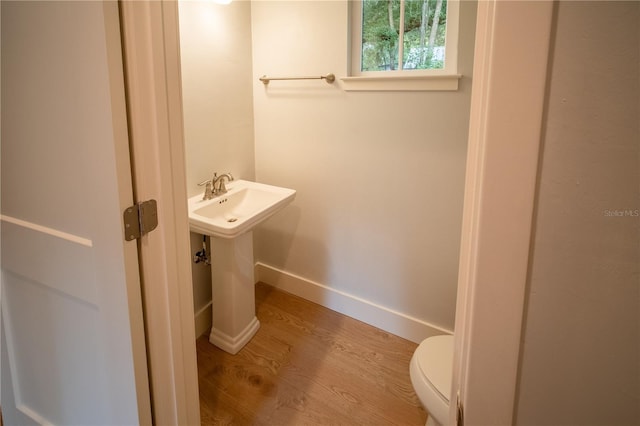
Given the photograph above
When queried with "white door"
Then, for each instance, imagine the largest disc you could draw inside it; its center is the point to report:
(73, 350)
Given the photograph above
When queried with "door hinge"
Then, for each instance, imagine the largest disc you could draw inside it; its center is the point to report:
(140, 219)
(459, 411)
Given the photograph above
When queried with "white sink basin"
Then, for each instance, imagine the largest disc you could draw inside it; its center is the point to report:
(243, 206)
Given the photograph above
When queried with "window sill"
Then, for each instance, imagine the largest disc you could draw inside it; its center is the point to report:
(401, 83)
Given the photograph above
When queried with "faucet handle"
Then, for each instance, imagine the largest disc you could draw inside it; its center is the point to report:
(208, 189)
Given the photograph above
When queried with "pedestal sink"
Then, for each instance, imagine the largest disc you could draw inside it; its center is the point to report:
(229, 219)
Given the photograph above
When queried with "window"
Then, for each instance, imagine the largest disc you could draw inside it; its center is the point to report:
(403, 45)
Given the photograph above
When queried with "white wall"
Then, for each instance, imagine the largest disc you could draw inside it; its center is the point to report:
(215, 50)
(379, 175)
(581, 355)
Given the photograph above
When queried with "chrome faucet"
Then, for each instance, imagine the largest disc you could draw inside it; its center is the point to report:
(215, 185)
(219, 186)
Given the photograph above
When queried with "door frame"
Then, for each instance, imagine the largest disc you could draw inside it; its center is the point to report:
(509, 84)
(151, 43)
(505, 130)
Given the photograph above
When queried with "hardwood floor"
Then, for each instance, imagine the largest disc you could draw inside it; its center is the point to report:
(308, 365)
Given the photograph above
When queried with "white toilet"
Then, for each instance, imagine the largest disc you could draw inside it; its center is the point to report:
(430, 370)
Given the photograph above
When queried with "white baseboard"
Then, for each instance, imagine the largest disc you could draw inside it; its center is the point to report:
(368, 312)
(203, 320)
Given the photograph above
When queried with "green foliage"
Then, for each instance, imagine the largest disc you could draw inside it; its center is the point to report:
(380, 36)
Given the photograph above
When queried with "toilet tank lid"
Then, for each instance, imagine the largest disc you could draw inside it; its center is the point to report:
(435, 359)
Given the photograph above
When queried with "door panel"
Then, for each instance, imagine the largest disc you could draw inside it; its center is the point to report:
(64, 263)
(52, 346)
(73, 342)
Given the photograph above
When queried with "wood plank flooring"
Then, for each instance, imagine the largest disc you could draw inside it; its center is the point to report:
(308, 365)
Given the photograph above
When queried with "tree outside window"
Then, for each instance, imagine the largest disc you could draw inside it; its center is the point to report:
(412, 29)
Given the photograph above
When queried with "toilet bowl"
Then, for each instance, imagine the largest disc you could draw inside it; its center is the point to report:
(430, 370)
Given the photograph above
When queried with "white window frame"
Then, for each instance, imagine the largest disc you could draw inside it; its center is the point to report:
(403, 80)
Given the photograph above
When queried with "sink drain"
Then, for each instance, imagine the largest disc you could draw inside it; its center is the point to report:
(233, 219)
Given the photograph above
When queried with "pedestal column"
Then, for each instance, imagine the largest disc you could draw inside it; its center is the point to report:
(234, 320)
